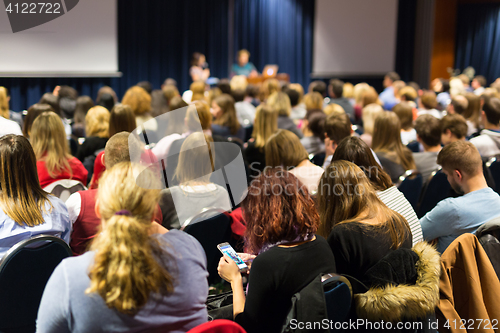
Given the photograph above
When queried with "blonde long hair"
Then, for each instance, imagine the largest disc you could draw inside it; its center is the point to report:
(126, 268)
(4, 103)
(49, 142)
(356, 201)
(265, 125)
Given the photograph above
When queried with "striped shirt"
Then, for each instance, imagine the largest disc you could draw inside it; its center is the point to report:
(395, 200)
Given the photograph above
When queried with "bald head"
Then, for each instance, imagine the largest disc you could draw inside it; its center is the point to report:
(116, 150)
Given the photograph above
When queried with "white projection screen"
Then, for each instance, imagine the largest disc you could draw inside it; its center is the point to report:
(354, 37)
(81, 42)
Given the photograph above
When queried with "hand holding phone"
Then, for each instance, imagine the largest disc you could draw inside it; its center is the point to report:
(228, 250)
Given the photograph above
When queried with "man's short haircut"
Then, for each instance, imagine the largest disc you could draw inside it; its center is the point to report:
(293, 95)
(491, 109)
(146, 85)
(481, 80)
(460, 104)
(316, 123)
(318, 86)
(456, 123)
(429, 129)
(337, 87)
(429, 100)
(461, 155)
(393, 76)
(337, 127)
(116, 150)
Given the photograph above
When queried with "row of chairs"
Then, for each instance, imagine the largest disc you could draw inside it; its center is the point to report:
(424, 196)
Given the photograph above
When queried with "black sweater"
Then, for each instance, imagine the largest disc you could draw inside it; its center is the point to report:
(275, 276)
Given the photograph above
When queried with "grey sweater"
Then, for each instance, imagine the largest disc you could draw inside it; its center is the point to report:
(65, 307)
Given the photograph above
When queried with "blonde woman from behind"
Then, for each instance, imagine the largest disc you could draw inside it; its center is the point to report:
(136, 276)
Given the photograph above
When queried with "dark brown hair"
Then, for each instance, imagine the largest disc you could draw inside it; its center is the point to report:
(338, 127)
(278, 207)
(228, 117)
(21, 195)
(456, 123)
(428, 129)
(121, 119)
(355, 150)
(346, 195)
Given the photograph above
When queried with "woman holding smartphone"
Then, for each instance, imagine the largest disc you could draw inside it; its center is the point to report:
(281, 225)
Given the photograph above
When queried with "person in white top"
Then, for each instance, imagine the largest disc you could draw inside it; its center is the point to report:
(285, 150)
(9, 127)
(428, 103)
(488, 143)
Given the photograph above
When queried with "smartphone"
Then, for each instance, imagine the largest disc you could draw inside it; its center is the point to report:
(228, 250)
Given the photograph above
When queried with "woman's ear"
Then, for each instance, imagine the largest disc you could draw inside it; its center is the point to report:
(103, 160)
(96, 209)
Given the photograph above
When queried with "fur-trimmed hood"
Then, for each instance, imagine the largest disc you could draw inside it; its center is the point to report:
(396, 302)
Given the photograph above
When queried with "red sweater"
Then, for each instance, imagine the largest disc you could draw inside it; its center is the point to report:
(87, 224)
(79, 173)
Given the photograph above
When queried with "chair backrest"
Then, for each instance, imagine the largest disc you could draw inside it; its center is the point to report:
(410, 184)
(414, 146)
(210, 227)
(338, 296)
(64, 188)
(494, 166)
(436, 189)
(248, 132)
(24, 272)
(317, 159)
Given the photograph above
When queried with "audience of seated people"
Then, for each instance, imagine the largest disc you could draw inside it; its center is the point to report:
(288, 129)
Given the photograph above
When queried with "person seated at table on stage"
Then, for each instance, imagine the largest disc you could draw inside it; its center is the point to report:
(243, 66)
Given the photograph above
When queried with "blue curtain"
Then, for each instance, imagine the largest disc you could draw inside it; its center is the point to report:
(478, 39)
(276, 32)
(155, 40)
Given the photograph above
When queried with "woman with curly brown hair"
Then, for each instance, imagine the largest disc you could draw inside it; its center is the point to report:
(281, 225)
